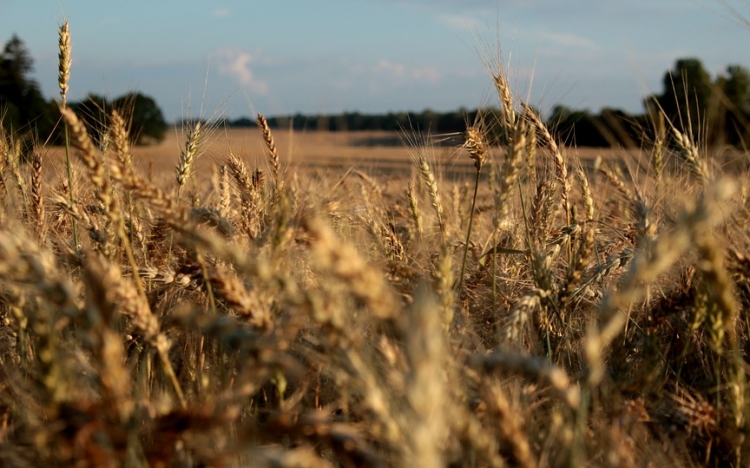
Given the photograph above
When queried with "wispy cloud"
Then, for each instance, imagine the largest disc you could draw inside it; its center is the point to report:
(459, 22)
(235, 63)
(221, 12)
(456, 4)
(403, 73)
(570, 41)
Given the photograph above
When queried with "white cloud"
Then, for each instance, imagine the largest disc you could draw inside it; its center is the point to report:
(403, 73)
(569, 40)
(459, 22)
(397, 70)
(457, 4)
(221, 12)
(235, 63)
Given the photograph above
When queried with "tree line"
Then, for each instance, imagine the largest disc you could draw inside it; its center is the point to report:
(32, 119)
(713, 111)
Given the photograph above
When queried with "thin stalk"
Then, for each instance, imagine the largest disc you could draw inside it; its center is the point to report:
(525, 217)
(171, 233)
(577, 451)
(169, 370)
(163, 355)
(5, 185)
(70, 184)
(468, 231)
(498, 325)
(209, 288)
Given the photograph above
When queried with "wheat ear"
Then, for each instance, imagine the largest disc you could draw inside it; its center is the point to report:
(428, 180)
(561, 168)
(188, 156)
(62, 81)
(36, 195)
(273, 152)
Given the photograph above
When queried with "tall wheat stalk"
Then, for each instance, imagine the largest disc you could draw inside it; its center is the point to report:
(273, 151)
(476, 143)
(62, 81)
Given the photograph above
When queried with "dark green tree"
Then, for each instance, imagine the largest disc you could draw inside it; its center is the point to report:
(734, 110)
(687, 95)
(23, 109)
(94, 112)
(147, 121)
(575, 127)
(16, 65)
(736, 87)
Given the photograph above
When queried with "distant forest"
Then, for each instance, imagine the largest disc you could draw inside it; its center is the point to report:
(714, 111)
(610, 127)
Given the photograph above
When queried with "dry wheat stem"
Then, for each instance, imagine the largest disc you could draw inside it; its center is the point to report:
(272, 150)
(414, 211)
(104, 193)
(561, 168)
(102, 283)
(475, 142)
(690, 152)
(504, 93)
(428, 179)
(511, 426)
(533, 367)
(617, 183)
(509, 174)
(188, 156)
(14, 161)
(342, 261)
(93, 163)
(694, 222)
(64, 62)
(225, 199)
(119, 130)
(37, 197)
(588, 201)
(427, 394)
(4, 160)
(721, 290)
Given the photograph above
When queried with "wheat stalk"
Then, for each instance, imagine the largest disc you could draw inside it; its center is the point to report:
(36, 196)
(588, 201)
(475, 141)
(344, 263)
(694, 222)
(561, 168)
(188, 156)
(691, 155)
(120, 139)
(414, 211)
(64, 63)
(272, 151)
(428, 179)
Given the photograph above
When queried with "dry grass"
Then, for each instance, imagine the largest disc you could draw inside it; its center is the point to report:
(320, 318)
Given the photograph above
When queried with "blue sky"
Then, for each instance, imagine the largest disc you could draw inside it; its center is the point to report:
(281, 56)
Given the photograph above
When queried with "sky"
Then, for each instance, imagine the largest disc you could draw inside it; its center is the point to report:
(235, 58)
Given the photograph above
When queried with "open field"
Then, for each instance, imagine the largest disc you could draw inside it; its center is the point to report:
(371, 151)
(386, 154)
(258, 298)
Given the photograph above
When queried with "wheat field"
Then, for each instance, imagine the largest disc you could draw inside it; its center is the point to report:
(260, 298)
